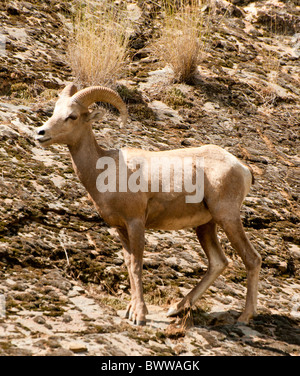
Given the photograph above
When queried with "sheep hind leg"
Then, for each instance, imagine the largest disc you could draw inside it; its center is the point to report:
(252, 260)
(217, 262)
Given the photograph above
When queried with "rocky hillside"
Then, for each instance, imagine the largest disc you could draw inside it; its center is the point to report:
(63, 282)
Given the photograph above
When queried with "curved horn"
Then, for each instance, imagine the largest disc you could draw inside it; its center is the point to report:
(69, 90)
(93, 94)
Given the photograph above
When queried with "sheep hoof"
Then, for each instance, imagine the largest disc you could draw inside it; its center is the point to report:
(141, 322)
(172, 312)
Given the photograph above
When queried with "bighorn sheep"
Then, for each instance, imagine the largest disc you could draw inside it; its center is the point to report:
(226, 182)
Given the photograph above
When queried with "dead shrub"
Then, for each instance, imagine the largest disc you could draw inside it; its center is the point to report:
(181, 41)
(97, 51)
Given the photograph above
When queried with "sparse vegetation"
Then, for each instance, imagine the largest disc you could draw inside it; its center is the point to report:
(245, 98)
(97, 51)
(176, 98)
(181, 41)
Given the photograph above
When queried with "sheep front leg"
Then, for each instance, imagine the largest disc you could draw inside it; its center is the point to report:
(127, 258)
(136, 235)
(133, 240)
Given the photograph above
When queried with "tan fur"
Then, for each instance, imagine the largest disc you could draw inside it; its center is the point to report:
(226, 183)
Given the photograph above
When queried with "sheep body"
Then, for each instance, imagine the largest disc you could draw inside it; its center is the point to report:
(158, 204)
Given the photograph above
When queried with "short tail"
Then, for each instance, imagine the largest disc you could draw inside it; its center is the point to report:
(252, 174)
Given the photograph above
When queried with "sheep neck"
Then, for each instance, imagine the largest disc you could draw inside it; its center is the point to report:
(85, 154)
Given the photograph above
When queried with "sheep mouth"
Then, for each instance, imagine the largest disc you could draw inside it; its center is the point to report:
(43, 139)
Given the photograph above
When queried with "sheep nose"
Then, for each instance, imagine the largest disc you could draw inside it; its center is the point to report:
(41, 132)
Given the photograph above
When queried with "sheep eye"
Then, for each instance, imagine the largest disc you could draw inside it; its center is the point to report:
(72, 117)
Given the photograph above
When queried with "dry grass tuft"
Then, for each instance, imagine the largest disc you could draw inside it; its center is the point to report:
(181, 41)
(178, 328)
(98, 50)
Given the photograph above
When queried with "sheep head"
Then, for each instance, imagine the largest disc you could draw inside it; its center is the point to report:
(71, 114)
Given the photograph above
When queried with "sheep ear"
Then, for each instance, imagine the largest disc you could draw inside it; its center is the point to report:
(94, 115)
(68, 91)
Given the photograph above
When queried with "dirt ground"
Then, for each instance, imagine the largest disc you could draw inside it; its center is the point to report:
(63, 283)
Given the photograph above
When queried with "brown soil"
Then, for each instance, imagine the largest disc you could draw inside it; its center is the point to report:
(63, 282)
